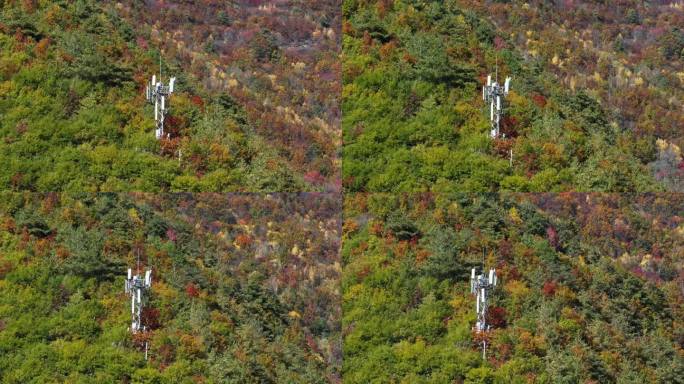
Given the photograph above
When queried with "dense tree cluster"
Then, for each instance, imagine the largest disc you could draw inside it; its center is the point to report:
(74, 118)
(245, 288)
(414, 119)
(279, 59)
(590, 288)
(628, 54)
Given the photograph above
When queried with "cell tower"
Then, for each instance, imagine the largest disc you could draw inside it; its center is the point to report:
(480, 286)
(156, 94)
(137, 287)
(493, 93)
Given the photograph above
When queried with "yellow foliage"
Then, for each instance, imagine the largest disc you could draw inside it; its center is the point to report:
(353, 291)
(458, 302)
(680, 76)
(515, 99)
(133, 215)
(191, 345)
(516, 289)
(294, 314)
(295, 251)
(465, 109)
(680, 230)
(165, 292)
(663, 146)
(8, 86)
(646, 261)
(219, 153)
(552, 153)
(565, 293)
(514, 215)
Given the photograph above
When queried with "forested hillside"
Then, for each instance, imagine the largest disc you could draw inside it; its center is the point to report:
(414, 119)
(591, 288)
(279, 59)
(74, 118)
(246, 288)
(628, 54)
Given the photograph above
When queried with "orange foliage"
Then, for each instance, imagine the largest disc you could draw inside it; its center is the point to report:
(243, 240)
(41, 47)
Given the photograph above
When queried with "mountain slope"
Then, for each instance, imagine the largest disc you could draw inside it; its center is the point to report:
(72, 78)
(590, 288)
(414, 119)
(628, 54)
(245, 288)
(279, 59)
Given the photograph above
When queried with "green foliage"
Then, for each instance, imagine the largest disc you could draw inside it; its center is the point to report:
(252, 302)
(414, 120)
(74, 119)
(433, 64)
(86, 257)
(672, 45)
(571, 305)
(445, 247)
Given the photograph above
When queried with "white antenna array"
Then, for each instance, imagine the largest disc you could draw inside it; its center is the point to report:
(493, 93)
(156, 94)
(480, 286)
(137, 287)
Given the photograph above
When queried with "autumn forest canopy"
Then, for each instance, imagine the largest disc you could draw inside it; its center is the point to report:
(590, 288)
(74, 118)
(329, 175)
(245, 288)
(584, 113)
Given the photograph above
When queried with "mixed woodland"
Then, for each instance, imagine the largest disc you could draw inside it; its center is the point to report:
(280, 60)
(590, 288)
(596, 100)
(380, 98)
(245, 288)
(75, 119)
